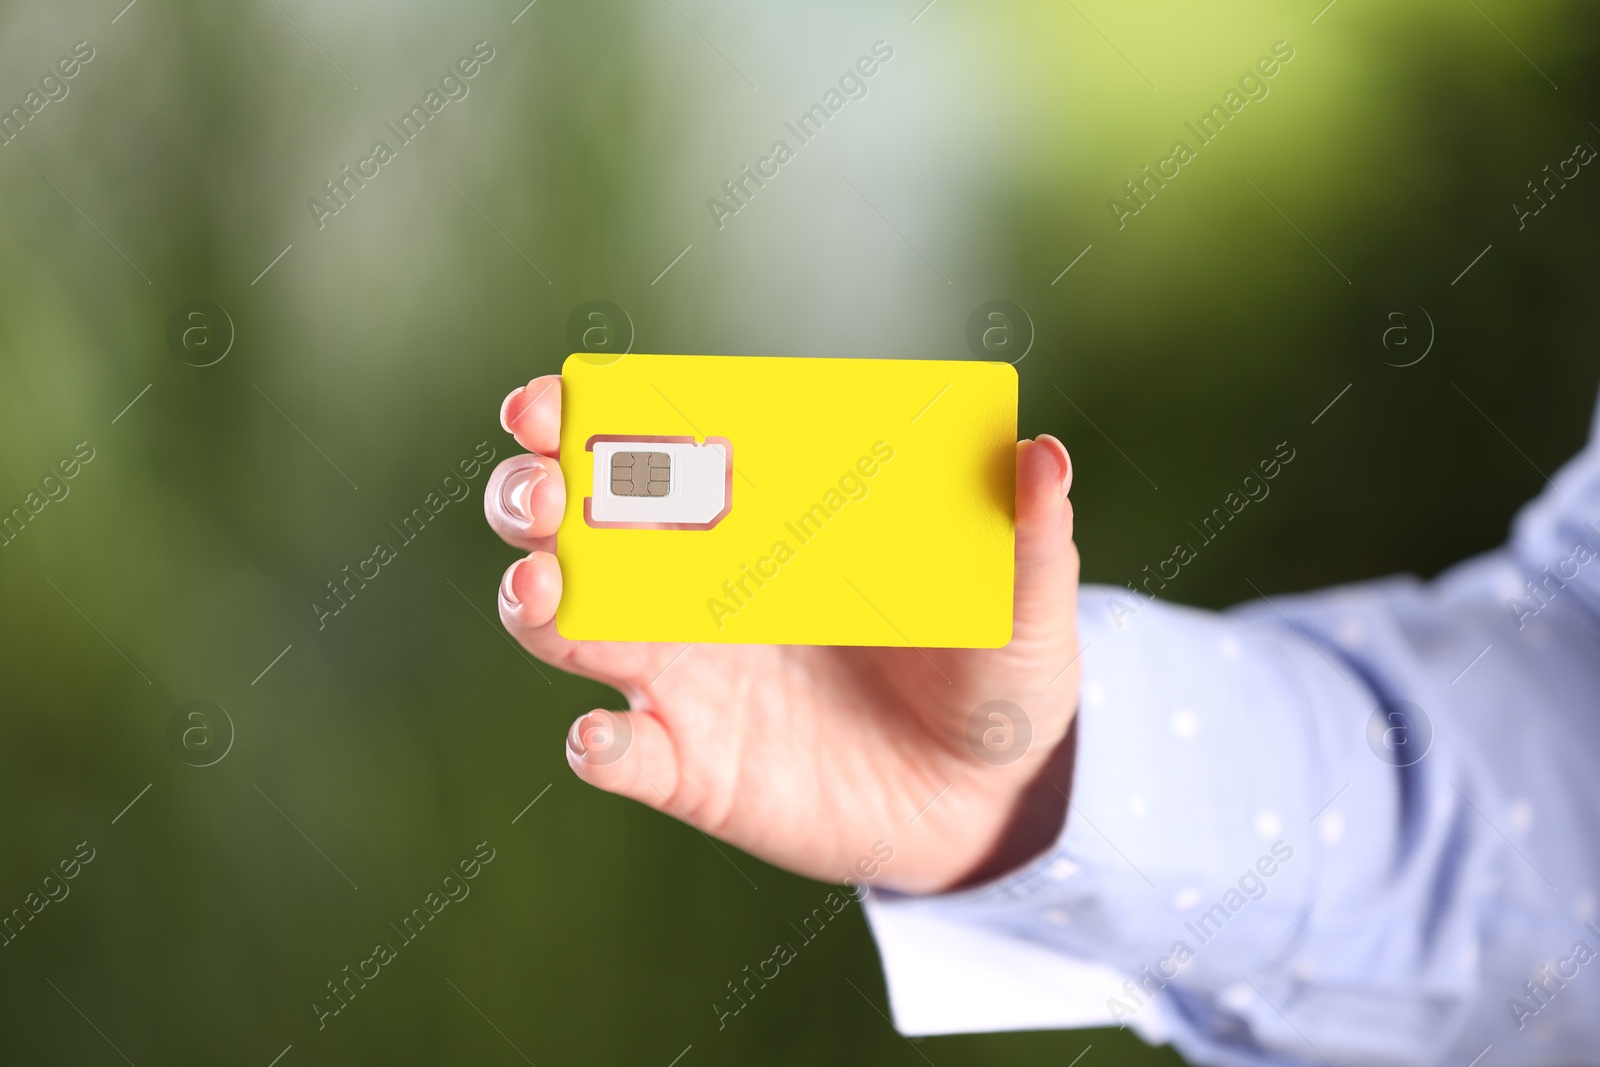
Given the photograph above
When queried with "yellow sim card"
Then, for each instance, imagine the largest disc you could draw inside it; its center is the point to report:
(758, 499)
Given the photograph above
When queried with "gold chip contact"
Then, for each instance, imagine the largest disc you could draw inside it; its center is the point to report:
(640, 474)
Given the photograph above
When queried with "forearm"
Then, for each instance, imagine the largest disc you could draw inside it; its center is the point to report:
(1243, 849)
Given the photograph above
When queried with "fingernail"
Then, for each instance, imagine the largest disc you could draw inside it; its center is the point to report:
(508, 594)
(1063, 461)
(505, 408)
(516, 493)
(575, 738)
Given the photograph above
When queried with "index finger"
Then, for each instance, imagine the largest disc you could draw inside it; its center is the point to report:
(532, 414)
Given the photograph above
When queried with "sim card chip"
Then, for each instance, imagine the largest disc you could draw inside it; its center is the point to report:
(649, 482)
(641, 474)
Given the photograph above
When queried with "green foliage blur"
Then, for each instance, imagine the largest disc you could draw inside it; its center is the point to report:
(369, 362)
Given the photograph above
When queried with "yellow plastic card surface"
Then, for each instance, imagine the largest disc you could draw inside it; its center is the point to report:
(759, 499)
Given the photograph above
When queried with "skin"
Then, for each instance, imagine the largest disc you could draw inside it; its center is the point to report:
(807, 756)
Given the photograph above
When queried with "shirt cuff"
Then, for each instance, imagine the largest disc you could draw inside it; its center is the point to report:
(946, 975)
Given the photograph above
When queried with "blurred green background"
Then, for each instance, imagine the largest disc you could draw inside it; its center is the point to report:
(377, 752)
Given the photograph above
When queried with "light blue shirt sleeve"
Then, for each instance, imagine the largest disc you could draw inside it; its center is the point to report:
(1360, 826)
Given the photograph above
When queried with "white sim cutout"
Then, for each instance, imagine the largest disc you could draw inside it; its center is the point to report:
(700, 483)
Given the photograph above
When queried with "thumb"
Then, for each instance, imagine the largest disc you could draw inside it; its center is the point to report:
(1046, 604)
(628, 753)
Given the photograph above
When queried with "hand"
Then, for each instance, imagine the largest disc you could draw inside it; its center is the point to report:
(807, 756)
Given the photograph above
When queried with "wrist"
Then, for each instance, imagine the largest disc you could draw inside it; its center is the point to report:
(1033, 820)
